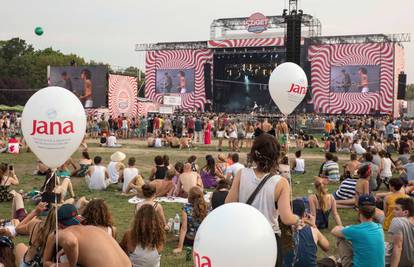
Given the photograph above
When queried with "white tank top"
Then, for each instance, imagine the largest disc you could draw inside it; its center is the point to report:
(144, 257)
(113, 172)
(129, 174)
(300, 165)
(97, 180)
(386, 171)
(265, 199)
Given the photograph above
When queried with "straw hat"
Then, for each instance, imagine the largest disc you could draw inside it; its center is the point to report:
(118, 156)
(221, 157)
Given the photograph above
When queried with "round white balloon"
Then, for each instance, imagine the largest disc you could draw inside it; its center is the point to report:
(53, 125)
(288, 86)
(235, 234)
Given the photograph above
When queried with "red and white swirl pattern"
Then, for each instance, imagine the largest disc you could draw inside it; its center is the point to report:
(122, 95)
(322, 57)
(399, 66)
(178, 59)
(254, 42)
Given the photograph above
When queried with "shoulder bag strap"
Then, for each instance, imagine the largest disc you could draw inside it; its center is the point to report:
(258, 188)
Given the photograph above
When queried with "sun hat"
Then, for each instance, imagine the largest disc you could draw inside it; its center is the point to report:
(221, 157)
(118, 156)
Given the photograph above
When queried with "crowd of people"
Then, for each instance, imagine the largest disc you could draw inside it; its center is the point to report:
(375, 185)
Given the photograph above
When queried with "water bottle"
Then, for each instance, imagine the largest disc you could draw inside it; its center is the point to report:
(170, 224)
(176, 224)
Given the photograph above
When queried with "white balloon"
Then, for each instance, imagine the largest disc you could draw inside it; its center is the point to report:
(287, 86)
(53, 125)
(232, 235)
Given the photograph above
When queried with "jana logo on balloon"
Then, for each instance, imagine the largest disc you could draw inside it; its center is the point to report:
(201, 261)
(51, 128)
(297, 89)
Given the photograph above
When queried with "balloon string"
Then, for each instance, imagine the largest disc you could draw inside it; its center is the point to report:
(57, 221)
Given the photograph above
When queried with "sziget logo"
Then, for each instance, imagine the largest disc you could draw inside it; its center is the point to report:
(297, 89)
(52, 127)
(257, 23)
(203, 261)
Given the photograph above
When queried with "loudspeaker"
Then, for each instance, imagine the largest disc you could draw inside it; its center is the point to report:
(207, 81)
(293, 36)
(402, 84)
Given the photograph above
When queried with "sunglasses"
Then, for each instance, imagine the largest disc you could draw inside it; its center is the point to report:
(6, 241)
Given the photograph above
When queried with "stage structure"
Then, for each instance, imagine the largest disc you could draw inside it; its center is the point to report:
(348, 74)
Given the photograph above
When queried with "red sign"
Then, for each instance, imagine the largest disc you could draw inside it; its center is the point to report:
(257, 23)
(43, 127)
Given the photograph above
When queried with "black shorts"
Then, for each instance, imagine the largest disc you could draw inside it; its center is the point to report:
(190, 131)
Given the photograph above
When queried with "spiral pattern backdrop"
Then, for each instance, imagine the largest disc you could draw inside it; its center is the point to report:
(178, 59)
(122, 95)
(322, 57)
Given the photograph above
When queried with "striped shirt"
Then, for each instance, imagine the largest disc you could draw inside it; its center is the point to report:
(346, 190)
(331, 169)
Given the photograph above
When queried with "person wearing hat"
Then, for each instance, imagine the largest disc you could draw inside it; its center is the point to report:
(116, 167)
(80, 243)
(305, 254)
(112, 142)
(367, 248)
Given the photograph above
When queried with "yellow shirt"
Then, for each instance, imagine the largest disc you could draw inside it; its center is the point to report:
(389, 215)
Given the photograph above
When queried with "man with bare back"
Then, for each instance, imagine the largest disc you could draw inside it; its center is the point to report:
(80, 245)
(282, 131)
(87, 88)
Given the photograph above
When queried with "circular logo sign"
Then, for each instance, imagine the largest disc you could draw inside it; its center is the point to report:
(257, 23)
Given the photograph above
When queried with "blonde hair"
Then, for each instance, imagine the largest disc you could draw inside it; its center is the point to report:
(46, 228)
(321, 192)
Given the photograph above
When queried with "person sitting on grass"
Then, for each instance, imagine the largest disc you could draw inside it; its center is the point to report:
(353, 165)
(112, 142)
(211, 173)
(330, 168)
(97, 213)
(7, 254)
(321, 204)
(116, 167)
(219, 195)
(129, 174)
(165, 187)
(83, 245)
(192, 216)
(361, 244)
(298, 165)
(159, 171)
(396, 192)
(148, 191)
(53, 187)
(305, 254)
(97, 177)
(187, 180)
(145, 240)
(345, 195)
(8, 175)
(84, 163)
(401, 233)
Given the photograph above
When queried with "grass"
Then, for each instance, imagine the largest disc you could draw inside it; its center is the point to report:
(122, 211)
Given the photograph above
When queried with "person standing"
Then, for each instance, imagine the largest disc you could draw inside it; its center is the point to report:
(67, 81)
(274, 197)
(198, 127)
(207, 132)
(86, 77)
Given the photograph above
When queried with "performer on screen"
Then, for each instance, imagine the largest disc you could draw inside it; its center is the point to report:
(168, 84)
(87, 88)
(363, 80)
(67, 81)
(346, 81)
(182, 82)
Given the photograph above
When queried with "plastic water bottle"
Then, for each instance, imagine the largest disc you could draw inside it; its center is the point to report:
(176, 224)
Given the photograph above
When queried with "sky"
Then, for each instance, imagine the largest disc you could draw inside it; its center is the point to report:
(107, 31)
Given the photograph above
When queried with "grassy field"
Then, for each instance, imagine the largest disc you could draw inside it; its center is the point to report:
(122, 211)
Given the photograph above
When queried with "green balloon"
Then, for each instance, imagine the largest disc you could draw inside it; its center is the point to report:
(38, 31)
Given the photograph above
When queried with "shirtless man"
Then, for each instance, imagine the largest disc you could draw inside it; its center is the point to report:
(282, 131)
(187, 180)
(79, 244)
(266, 126)
(363, 80)
(87, 88)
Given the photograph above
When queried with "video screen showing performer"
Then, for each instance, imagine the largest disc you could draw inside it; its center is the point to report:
(88, 83)
(175, 81)
(355, 79)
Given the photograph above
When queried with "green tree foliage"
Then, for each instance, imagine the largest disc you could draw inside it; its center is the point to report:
(409, 95)
(21, 66)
